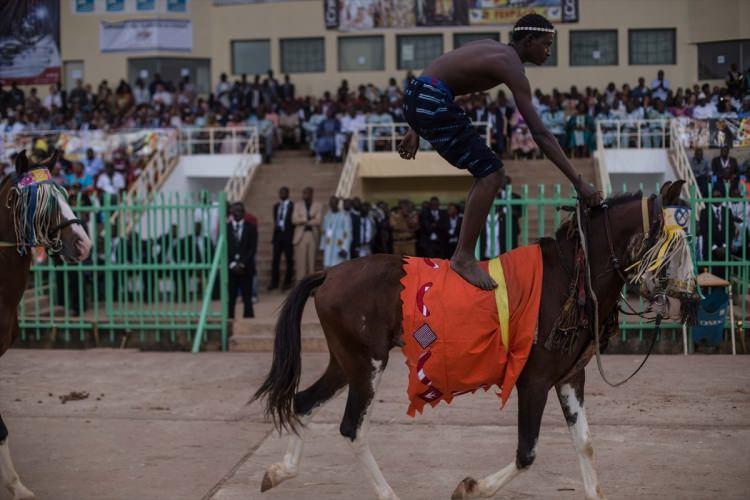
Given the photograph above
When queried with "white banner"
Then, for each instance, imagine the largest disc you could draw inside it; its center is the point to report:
(146, 35)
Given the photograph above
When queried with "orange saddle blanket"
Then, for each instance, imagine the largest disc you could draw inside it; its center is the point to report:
(458, 338)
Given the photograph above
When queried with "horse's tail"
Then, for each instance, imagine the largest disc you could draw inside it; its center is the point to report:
(283, 378)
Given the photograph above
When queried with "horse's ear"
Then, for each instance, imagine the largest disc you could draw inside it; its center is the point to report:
(664, 189)
(22, 163)
(50, 162)
(673, 193)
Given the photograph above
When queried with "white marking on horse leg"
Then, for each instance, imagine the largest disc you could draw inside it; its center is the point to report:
(362, 447)
(487, 487)
(579, 432)
(289, 466)
(9, 476)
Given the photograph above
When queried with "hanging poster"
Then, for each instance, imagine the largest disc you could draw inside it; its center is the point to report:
(146, 34)
(30, 41)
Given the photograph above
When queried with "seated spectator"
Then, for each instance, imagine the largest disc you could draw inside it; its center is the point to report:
(110, 182)
(84, 181)
(266, 131)
(724, 167)
(554, 119)
(92, 164)
(657, 127)
(580, 132)
(54, 99)
(522, 144)
(660, 87)
(352, 126)
(289, 132)
(704, 108)
(310, 126)
(161, 96)
(380, 121)
(326, 146)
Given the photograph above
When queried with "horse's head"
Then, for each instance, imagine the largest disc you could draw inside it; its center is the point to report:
(41, 213)
(659, 257)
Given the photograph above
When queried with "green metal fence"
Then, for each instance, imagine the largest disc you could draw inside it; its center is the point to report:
(725, 254)
(157, 270)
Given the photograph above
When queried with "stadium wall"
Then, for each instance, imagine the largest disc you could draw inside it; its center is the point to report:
(215, 27)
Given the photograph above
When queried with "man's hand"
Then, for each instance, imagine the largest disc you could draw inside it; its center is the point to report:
(588, 194)
(409, 145)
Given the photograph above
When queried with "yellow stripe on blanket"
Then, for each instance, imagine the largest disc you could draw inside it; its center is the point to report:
(501, 299)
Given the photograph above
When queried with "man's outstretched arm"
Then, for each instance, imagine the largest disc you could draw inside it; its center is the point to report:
(519, 85)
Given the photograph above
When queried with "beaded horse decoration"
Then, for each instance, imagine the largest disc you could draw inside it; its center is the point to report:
(36, 212)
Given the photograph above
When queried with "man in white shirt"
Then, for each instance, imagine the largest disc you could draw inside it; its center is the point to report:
(704, 109)
(352, 126)
(660, 86)
(54, 98)
(161, 96)
(110, 181)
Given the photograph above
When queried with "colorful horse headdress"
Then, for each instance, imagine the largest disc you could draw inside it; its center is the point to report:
(35, 206)
(669, 258)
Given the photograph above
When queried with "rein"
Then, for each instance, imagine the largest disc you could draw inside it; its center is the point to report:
(660, 298)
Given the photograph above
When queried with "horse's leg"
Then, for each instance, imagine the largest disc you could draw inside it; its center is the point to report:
(8, 474)
(570, 395)
(363, 382)
(531, 402)
(305, 404)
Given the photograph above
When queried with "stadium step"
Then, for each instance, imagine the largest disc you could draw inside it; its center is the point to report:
(296, 170)
(257, 334)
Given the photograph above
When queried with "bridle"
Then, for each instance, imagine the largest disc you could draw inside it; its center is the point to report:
(651, 229)
(51, 233)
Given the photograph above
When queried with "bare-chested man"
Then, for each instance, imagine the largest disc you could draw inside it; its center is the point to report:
(432, 114)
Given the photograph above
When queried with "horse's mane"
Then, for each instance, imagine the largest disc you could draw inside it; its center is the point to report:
(568, 229)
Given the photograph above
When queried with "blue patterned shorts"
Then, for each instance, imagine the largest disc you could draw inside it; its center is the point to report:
(431, 112)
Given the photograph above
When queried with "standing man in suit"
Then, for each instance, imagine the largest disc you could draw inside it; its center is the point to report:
(283, 231)
(433, 223)
(242, 240)
(307, 218)
(454, 228)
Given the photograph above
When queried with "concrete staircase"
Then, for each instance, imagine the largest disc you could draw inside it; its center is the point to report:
(296, 170)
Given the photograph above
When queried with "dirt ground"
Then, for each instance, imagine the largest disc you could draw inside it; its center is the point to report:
(177, 426)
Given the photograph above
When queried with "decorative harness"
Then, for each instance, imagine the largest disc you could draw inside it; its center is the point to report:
(33, 197)
(651, 230)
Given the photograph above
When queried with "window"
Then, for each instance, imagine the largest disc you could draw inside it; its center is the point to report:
(303, 55)
(715, 58)
(361, 53)
(252, 57)
(593, 48)
(652, 46)
(460, 39)
(417, 51)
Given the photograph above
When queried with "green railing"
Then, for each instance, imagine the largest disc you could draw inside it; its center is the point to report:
(539, 215)
(154, 272)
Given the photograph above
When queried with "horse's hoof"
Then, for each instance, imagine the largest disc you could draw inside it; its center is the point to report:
(465, 489)
(267, 483)
(22, 493)
(275, 475)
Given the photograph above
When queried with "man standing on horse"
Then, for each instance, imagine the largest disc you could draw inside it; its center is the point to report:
(432, 114)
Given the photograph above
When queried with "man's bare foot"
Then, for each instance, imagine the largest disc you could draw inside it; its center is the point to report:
(471, 272)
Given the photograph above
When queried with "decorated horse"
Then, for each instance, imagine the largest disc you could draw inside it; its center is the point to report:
(34, 212)
(555, 307)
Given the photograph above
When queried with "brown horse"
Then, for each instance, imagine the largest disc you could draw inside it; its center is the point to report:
(33, 212)
(360, 335)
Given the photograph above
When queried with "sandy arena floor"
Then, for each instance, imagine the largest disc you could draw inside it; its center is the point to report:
(176, 426)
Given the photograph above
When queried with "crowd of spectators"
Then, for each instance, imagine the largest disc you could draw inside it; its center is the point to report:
(326, 124)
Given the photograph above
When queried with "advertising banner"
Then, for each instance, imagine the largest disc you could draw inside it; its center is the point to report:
(360, 15)
(30, 41)
(145, 35)
(714, 133)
